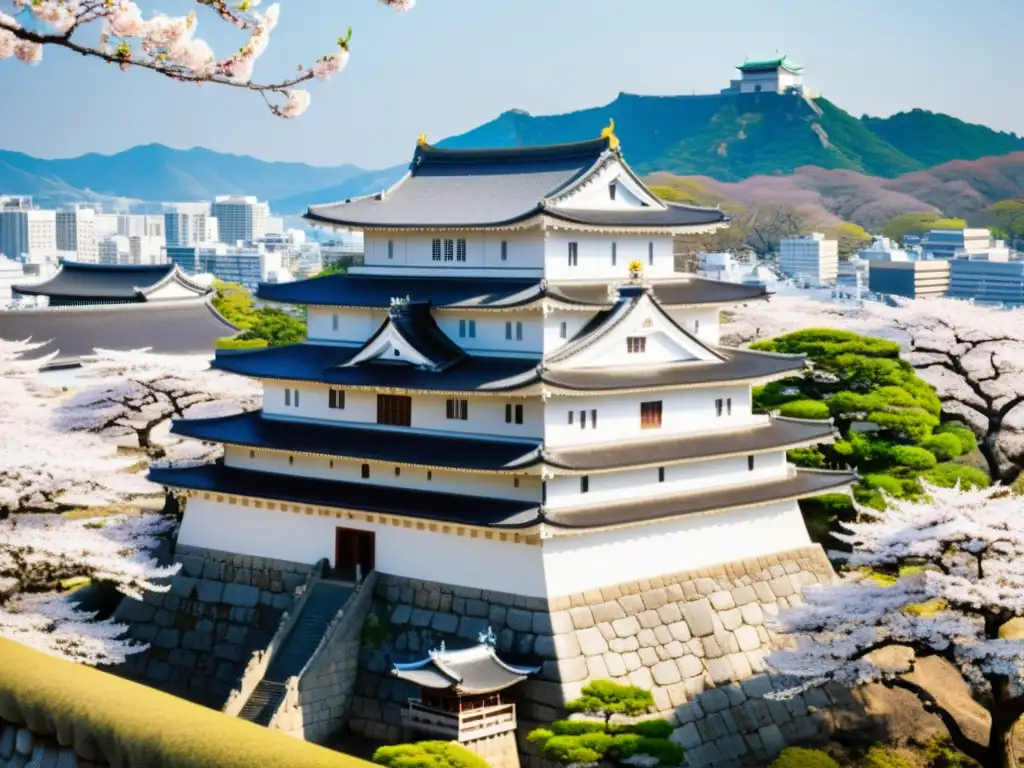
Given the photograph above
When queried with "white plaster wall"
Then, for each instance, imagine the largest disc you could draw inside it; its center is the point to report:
(355, 326)
(608, 487)
(491, 332)
(446, 558)
(594, 194)
(172, 290)
(343, 470)
(486, 414)
(574, 322)
(575, 564)
(525, 250)
(702, 323)
(618, 416)
(595, 256)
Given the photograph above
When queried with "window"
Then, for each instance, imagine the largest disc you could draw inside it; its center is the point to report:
(584, 484)
(650, 414)
(287, 397)
(467, 328)
(391, 249)
(513, 414)
(718, 407)
(398, 471)
(696, 326)
(291, 460)
(570, 417)
(504, 250)
(574, 254)
(435, 250)
(472, 329)
(750, 463)
(650, 253)
(508, 331)
(335, 398)
(252, 454)
(334, 322)
(515, 482)
(593, 419)
(615, 253)
(430, 475)
(449, 250)
(395, 410)
(648, 322)
(365, 472)
(563, 330)
(519, 331)
(291, 397)
(331, 463)
(583, 419)
(636, 345)
(611, 191)
(460, 249)
(728, 406)
(457, 409)
(661, 474)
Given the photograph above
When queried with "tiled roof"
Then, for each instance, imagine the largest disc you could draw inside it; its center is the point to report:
(491, 512)
(417, 327)
(171, 328)
(125, 282)
(474, 670)
(668, 293)
(779, 61)
(673, 215)
(459, 451)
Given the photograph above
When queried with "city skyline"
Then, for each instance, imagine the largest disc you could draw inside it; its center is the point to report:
(445, 68)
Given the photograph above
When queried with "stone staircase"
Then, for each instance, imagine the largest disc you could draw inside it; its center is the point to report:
(316, 613)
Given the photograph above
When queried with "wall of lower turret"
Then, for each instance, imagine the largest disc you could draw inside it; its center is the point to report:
(220, 608)
(696, 639)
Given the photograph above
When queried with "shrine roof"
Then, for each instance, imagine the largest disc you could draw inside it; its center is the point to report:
(491, 512)
(410, 331)
(672, 215)
(777, 62)
(106, 282)
(467, 452)
(668, 293)
(170, 328)
(468, 671)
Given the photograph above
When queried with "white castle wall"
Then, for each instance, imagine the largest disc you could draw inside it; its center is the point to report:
(684, 411)
(701, 322)
(594, 256)
(595, 194)
(559, 566)
(524, 251)
(342, 470)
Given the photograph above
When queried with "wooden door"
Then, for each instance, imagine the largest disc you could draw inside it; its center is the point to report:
(354, 548)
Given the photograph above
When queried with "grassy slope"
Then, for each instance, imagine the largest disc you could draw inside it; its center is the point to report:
(934, 138)
(863, 149)
(137, 727)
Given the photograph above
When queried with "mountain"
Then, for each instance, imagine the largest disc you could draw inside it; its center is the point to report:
(157, 173)
(364, 183)
(733, 137)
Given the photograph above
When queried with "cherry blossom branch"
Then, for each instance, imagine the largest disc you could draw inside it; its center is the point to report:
(960, 740)
(167, 46)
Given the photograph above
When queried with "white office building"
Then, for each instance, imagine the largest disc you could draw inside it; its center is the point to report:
(190, 224)
(240, 219)
(813, 258)
(76, 233)
(949, 243)
(246, 266)
(28, 234)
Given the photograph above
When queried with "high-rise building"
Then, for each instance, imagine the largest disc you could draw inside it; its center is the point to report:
(76, 231)
(15, 202)
(28, 234)
(912, 279)
(115, 249)
(246, 266)
(106, 225)
(947, 243)
(190, 224)
(138, 225)
(145, 249)
(988, 278)
(810, 257)
(240, 219)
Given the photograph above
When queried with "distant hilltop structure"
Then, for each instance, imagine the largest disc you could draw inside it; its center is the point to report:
(776, 74)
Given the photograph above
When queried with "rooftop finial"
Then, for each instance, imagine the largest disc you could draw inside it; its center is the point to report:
(421, 140)
(609, 133)
(488, 637)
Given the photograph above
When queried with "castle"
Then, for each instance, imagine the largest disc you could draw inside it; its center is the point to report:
(517, 417)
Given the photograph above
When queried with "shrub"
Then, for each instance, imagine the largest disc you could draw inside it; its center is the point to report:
(944, 446)
(576, 727)
(428, 754)
(805, 409)
(947, 475)
(968, 442)
(912, 456)
(798, 757)
(882, 482)
(880, 756)
(229, 342)
(806, 457)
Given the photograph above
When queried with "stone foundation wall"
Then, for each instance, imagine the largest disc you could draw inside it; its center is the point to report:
(318, 704)
(220, 608)
(19, 747)
(499, 751)
(696, 639)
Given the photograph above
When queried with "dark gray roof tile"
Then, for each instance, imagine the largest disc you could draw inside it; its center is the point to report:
(103, 282)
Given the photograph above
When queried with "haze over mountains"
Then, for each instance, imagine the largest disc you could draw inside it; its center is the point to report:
(752, 148)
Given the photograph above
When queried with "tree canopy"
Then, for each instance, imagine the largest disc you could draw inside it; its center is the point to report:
(428, 754)
(918, 223)
(886, 415)
(1007, 217)
(261, 326)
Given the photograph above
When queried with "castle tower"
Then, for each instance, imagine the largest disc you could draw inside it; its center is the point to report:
(514, 408)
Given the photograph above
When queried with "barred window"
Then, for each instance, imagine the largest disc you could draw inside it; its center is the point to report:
(457, 409)
(449, 250)
(335, 398)
(435, 250)
(574, 254)
(460, 249)
(636, 345)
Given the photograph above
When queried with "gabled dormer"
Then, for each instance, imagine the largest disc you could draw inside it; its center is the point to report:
(635, 332)
(409, 336)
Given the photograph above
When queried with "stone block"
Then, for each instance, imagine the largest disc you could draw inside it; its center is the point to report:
(712, 650)
(752, 614)
(631, 604)
(647, 639)
(757, 687)
(712, 727)
(401, 615)
(566, 646)
(698, 616)
(524, 643)
(591, 642)
(704, 755)
(781, 587)
(211, 569)
(641, 678)
(721, 601)
(597, 669)
(293, 581)
(23, 741)
(241, 595)
(144, 632)
(421, 617)
(655, 598)
(7, 734)
(445, 622)
(747, 638)
(731, 747)
(559, 622)
(687, 736)
(67, 758)
(167, 638)
(740, 666)
(478, 608)
(669, 613)
(623, 644)
(666, 673)
(626, 627)
(496, 615)
(744, 595)
(130, 610)
(227, 652)
(771, 739)
(817, 698)
(544, 646)
(163, 618)
(571, 670)
(158, 671)
(182, 586)
(764, 592)
(648, 657)
(607, 612)
(615, 664)
(720, 669)
(190, 566)
(730, 618)
(714, 700)
(649, 619)
(208, 591)
(236, 634)
(582, 617)
(689, 713)
(632, 661)
(520, 620)
(180, 658)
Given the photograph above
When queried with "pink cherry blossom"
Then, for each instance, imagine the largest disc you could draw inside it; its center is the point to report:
(124, 19)
(298, 102)
(331, 65)
(400, 5)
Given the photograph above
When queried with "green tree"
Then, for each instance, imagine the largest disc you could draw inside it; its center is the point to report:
(798, 757)
(428, 754)
(918, 223)
(851, 238)
(1007, 219)
(332, 268)
(261, 326)
(590, 741)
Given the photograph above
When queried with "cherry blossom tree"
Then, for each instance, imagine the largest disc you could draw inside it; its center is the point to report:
(972, 355)
(941, 579)
(43, 467)
(166, 45)
(135, 395)
(37, 552)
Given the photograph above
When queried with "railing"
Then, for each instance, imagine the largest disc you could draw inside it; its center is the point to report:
(461, 726)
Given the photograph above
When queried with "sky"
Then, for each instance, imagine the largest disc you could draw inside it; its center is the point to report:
(449, 65)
